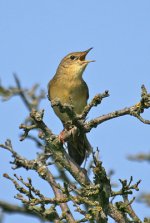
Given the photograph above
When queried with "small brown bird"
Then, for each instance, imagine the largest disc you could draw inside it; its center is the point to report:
(69, 87)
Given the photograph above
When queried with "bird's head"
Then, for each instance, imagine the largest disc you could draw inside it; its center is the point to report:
(74, 64)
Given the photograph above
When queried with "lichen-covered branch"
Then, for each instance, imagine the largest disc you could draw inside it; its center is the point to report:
(79, 120)
(127, 188)
(16, 209)
(93, 192)
(59, 154)
(45, 174)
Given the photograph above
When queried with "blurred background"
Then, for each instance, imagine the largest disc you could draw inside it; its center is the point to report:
(35, 35)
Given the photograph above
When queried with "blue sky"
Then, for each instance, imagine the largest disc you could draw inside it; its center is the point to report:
(35, 35)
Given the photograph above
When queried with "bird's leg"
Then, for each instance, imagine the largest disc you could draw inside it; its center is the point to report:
(68, 130)
(61, 137)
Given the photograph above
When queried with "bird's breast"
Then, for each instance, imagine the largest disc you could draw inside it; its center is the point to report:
(69, 91)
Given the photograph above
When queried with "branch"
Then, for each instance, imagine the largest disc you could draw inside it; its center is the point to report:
(79, 120)
(15, 209)
(145, 198)
(129, 209)
(56, 148)
(132, 111)
(140, 157)
(22, 94)
(95, 101)
(30, 99)
(101, 179)
(95, 195)
(69, 110)
(116, 214)
(19, 161)
(26, 130)
(58, 194)
(45, 174)
(126, 187)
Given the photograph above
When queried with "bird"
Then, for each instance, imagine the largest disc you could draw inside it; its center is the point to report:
(68, 86)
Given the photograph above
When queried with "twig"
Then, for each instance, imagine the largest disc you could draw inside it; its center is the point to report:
(26, 130)
(23, 96)
(129, 209)
(55, 147)
(145, 198)
(12, 209)
(49, 178)
(69, 110)
(37, 142)
(139, 157)
(95, 101)
(126, 111)
(126, 187)
(46, 175)
(19, 161)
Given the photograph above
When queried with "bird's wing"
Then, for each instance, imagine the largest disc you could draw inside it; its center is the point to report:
(48, 88)
(86, 89)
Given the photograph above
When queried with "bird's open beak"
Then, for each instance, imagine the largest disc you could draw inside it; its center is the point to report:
(83, 56)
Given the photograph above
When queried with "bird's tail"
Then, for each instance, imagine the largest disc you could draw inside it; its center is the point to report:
(79, 148)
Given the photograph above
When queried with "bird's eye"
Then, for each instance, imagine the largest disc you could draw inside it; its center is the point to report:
(73, 57)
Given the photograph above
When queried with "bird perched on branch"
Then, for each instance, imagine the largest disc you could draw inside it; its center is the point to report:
(68, 86)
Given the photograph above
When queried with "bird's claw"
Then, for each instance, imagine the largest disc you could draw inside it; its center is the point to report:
(61, 137)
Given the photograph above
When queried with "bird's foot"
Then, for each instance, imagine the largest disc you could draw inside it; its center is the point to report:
(61, 137)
